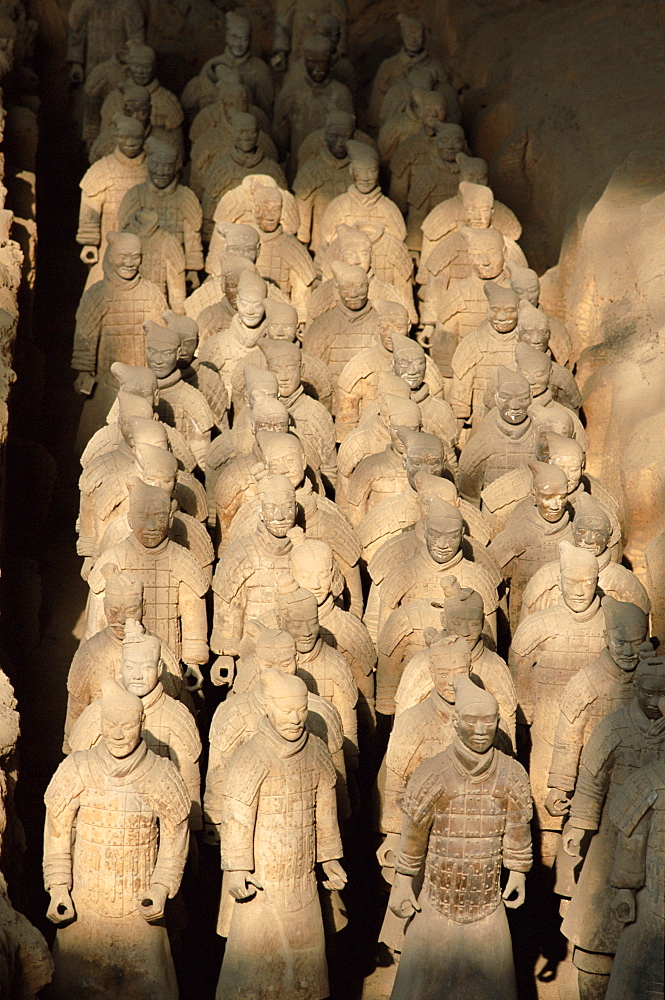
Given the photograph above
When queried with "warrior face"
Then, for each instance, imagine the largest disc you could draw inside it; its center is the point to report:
(162, 168)
(119, 607)
(140, 110)
(288, 375)
(572, 467)
(278, 513)
(315, 575)
(359, 256)
(303, 624)
(268, 214)
(476, 727)
(410, 369)
(624, 646)
(590, 536)
(487, 261)
(150, 520)
(317, 67)
(140, 668)
(162, 358)
(578, 591)
(650, 691)
(238, 39)
(121, 731)
(478, 215)
(250, 308)
(188, 347)
(124, 261)
(141, 68)
(550, 503)
(443, 545)
(354, 294)
(130, 145)
(503, 317)
(413, 36)
(287, 716)
(365, 176)
(467, 627)
(246, 137)
(513, 403)
(337, 137)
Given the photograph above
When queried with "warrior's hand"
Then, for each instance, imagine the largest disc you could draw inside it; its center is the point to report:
(386, 853)
(623, 906)
(76, 73)
(403, 902)
(151, 905)
(90, 255)
(211, 834)
(516, 884)
(222, 670)
(557, 802)
(239, 884)
(61, 908)
(336, 876)
(572, 841)
(424, 336)
(193, 677)
(278, 61)
(193, 280)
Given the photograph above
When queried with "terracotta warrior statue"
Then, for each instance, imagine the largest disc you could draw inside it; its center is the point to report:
(474, 206)
(236, 207)
(655, 581)
(237, 56)
(532, 533)
(459, 936)
(321, 179)
(280, 924)
(395, 68)
(593, 693)
(374, 435)
(539, 371)
(134, 103)
(232, 241)
(481, 353)
(420, 733)
(228, 349)
(505, 439)
(439, 554)
(166, 114)
(200, 376)
(302, 106)
(245, 157)
(314, 567)
(179, 404)
(354, 246)
(536, 329)
(97, 30)
(547, 649)
(339, 334)
(100, 657)
(178, 209)
(619, 750)
(591, 530)
(295, 20)
(637, 812)
(364, 200)
(162, 259)
(434, 179)
(282, 326)
(320, 518)
(358, 382)
(418, 149)
(282, 259)
(463, 615)
(218, 315)
(174, 583)
(245, 574)
(526, 283)
(462, 309)
(328, 23)
(311, 419)
(108, 892)
(390, 260)
(323, 668)
(378, 477)
(405, 121)
(109, 327)
(237, 719)
(25, 959)
(103, 188)
(168, 727)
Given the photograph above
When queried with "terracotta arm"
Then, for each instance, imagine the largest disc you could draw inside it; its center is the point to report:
(194, 622)
(566, 753)
(328, 839)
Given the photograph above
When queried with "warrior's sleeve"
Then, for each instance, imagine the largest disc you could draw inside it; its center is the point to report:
(89, 232)
(281, 128)
(186, 758)
(398, 758)
(62, 804)
(283, 23)
(472, 471)
(240, 799)
(632, 814)
(172, 806)
(596, 765)
(77, 31)
(568, 739)
(318, 340)
(516, 845)
(194, 622)
(176, 289)
(328, 840)
(421, 794)
(130, 204)
(226, 734)
(89, 316)
(305, 198)
(193, 220)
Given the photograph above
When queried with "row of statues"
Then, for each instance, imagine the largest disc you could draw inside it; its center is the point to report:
(339, 541)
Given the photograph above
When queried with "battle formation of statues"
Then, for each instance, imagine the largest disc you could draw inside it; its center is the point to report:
(349, 581)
